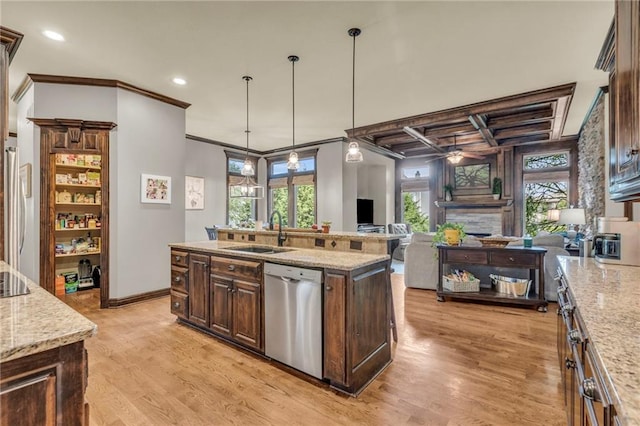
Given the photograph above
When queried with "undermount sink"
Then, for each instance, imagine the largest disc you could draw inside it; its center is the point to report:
(258, 249)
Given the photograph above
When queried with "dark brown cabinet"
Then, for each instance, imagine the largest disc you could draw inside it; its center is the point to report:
(221, 304)
(180, 283)
(199, 289)
(586, 399)
(46, 388)
(513, 257)
(356, 325)
(236, 300)
(620, 57)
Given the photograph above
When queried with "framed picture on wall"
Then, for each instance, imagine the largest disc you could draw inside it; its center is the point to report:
(193, 193)
(155, 189)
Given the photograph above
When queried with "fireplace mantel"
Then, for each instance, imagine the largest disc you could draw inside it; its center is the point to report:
(473, 203)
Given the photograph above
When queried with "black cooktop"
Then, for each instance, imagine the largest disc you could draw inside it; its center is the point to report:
(12, 285)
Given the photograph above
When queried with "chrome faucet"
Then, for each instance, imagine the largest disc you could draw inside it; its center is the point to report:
(281, 236)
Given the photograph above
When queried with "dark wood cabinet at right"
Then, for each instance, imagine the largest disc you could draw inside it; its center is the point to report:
(620, 56)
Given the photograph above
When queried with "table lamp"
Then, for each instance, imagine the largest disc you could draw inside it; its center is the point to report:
(573, 218)
(553, 215)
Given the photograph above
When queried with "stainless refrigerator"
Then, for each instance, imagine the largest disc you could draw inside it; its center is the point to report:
(15, 209)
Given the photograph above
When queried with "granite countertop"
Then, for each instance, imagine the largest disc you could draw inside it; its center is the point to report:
(608, 299)
(37, 321)
(337, 235)
(292, 256)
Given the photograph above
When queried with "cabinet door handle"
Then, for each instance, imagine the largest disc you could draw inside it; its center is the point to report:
(177, 279)
(466, 257)
(177, 258)
(588, 388)
(574, 336)
(328, 288)
(176, 304)
(631, 152)
(511, 259)
(231, 267)
(569, 363)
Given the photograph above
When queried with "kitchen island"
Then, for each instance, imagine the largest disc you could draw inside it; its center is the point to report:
(220, 290)
(43, 363)
(605, 305)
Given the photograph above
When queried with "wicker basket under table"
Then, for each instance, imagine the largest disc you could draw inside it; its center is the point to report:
(460, 286)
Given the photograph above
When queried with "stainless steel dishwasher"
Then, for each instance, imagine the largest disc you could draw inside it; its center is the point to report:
(293, 317)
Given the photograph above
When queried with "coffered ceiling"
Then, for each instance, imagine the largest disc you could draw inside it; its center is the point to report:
(417, 64)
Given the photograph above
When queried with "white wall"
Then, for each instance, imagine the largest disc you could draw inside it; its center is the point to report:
(150, 140)
(207, 161)
(330, 185)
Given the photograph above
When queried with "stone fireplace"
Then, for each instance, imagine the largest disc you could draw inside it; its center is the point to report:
(494, 217)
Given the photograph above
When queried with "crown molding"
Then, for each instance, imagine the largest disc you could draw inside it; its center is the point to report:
(84, 81)
(11, 39)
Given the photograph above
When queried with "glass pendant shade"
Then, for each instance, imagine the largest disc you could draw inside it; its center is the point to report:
(246, 188)
(455, 158)
(292, 164)
(248, 169)
(353, 153)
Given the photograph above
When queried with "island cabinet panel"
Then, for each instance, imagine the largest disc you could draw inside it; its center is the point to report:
(247, 313)
(221, 305)
(199, 289)
(357, 325)
(335, 312)
(46, 388)
(370, 326)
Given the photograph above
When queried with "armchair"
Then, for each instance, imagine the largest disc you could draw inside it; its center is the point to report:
(403, 229)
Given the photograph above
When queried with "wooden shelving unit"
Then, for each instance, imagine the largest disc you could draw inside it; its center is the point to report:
(74, 159)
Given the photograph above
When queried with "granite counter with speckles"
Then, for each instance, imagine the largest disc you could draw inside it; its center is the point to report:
(607, 298)
(37, 321)
(292, 256)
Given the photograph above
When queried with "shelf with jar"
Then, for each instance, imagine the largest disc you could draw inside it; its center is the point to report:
(78, 246)
(65, 197)
(89, 161)
(70, 221)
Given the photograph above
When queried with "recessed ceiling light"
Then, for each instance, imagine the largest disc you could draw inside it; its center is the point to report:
(180, 81)
(53, 35)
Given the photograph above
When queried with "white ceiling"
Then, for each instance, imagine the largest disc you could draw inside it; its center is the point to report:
(411, 58)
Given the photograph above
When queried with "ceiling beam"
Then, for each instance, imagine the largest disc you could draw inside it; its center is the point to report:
(530, 129)
(461, 113)
(528, 117)
(481, 126)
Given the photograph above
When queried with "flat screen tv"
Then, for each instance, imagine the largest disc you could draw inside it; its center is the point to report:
(364, 211)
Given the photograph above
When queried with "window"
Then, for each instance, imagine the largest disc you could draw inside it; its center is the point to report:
(414, 187)
(293, 193)
(240, 211)
(546, 188)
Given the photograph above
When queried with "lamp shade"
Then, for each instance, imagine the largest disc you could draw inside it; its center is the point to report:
(572, 217)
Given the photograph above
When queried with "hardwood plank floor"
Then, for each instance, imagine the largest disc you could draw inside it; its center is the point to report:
(454, 364)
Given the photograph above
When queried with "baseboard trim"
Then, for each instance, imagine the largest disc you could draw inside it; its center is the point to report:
(114, 303)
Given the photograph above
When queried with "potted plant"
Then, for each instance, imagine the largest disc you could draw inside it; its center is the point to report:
(449, 233)
(497, 188)
(448, 192)
(326, 225)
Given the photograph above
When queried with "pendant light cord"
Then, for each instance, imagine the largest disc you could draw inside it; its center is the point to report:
(293, 59)
(247, 79)
(353, 85)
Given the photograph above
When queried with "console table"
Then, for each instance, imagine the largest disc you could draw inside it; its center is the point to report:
(509, 257)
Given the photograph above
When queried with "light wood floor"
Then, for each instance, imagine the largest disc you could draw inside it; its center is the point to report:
(454, 364)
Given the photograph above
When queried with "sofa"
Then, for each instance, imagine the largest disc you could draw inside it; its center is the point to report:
(421, 263)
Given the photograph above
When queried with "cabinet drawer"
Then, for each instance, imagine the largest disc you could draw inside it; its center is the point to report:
(466, 256)
(180, 258)
(179, 279)
(236, 268)
(179, 304)
(521, 260)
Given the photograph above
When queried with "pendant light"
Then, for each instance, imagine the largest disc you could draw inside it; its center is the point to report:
(353, 154)
(292, 164)
(247, 186)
